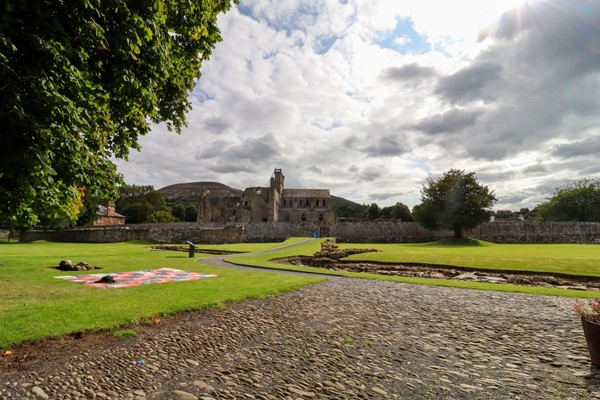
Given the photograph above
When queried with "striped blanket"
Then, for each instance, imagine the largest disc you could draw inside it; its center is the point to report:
(136, 278)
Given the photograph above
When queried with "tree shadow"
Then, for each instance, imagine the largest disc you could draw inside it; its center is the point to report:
(457, 242)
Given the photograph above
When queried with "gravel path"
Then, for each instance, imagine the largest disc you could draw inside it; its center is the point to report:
(341, 339)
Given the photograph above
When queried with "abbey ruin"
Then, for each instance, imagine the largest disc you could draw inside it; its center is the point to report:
(267, 204)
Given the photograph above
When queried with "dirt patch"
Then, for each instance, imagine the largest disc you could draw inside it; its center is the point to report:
(68, 265)
(435, 271)
(198, 250)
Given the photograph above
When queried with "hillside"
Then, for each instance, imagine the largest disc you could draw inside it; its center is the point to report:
(191, 192)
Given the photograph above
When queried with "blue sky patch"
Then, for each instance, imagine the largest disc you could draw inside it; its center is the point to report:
(200, 94)
(325, 43)
(405, 39)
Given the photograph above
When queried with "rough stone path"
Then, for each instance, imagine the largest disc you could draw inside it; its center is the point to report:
(341, 339)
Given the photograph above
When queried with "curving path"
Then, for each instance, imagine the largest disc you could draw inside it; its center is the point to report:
(341, 339)
(219, 261)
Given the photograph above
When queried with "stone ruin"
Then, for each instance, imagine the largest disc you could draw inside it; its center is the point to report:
(331, 253)
(68, 265)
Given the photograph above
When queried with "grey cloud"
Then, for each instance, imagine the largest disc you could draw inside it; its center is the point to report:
(385, 196)
(217, 125)
(563, 35)
(228, 167)
(493, 176)
(469, 83)
(573, 18)
(350, 142)
(385, 146)
(481, 148)
(450, 121)
(253, 149)
(370, 174)
(213, 150)
(407, 72)
(590, 146)
(535, 169)
(317, 169)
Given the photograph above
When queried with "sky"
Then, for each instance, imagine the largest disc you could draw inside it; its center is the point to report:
(370, 98)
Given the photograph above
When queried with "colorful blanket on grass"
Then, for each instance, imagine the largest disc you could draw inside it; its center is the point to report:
(137, 278)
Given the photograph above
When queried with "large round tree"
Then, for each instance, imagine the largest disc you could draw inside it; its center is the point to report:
(456, 201)
(80, 82)
(576, 201)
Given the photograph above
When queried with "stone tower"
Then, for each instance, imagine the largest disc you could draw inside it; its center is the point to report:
(275, 191)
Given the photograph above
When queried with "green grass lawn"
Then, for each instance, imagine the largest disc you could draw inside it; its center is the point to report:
(574, 259)
(35, 305)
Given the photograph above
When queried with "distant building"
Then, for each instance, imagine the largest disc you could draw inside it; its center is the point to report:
(106, 216)
(267, 204)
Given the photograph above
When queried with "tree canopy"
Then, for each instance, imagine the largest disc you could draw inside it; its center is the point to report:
(455, 201)
(80, 82)
(137, 202)
(576, 201)
(398, 211)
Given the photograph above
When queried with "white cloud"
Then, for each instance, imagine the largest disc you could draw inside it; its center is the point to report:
(310, 87)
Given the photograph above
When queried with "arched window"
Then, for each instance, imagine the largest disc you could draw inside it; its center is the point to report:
(320, 217)
(287, 218)
(317, 203)
(303, 217)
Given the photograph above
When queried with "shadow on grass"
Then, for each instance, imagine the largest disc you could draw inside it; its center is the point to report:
(457, 242)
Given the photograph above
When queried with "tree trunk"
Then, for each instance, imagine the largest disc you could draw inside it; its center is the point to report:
(458, 231)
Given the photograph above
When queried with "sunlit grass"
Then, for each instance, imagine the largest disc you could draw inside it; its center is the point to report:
(572, 259)
(34, 305)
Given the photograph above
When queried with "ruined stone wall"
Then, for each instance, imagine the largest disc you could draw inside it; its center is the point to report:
(358, 232)
(180, 232)
(111, 234)
(537, 232)
(384, 232)
(276, 231)
(177, 232)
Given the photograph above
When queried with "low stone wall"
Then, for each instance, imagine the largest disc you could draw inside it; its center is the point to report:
(277, 231)
(84, 235)
(356, 232)
(180, 232)
(385, 232)
(538, 232)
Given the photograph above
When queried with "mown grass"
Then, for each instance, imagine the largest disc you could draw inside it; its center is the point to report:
(571, 259)
(35, 305)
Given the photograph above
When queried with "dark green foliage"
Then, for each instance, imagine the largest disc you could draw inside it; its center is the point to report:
(455, 201)
(398, 211)
(577, 201)
(80, 82)
(138, 202)
(161, 217)
(88, 210)
(136, 213)
(372, 212)
(134, 194)
(191, 213)
(350, 210)
(178, 211)
(506, 214)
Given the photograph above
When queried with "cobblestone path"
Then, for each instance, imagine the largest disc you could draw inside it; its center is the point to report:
(341, 339)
